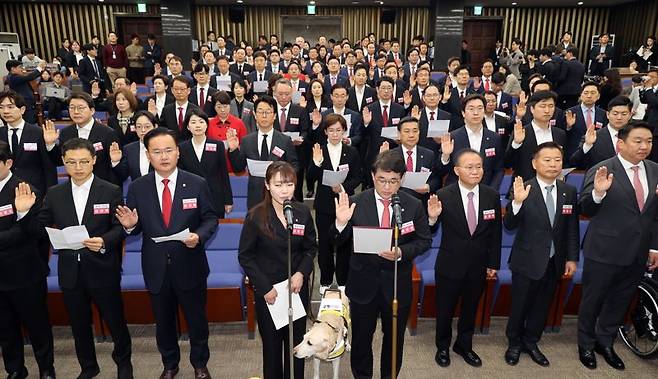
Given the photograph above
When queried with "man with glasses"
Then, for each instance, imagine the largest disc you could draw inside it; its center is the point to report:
(266, 144)
(81, 111)
(173, 115)
(370, 278)
(339, 96)
(201, 94)
(91, 273)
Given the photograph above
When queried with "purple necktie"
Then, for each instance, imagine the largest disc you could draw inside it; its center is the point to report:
(470, 214)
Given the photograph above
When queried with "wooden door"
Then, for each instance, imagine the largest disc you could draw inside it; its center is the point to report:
(141, 26)
(481, 36)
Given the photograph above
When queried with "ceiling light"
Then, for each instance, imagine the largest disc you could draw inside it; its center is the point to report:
(513, 3)
(312, 2)
(240, 1)
(580, 3)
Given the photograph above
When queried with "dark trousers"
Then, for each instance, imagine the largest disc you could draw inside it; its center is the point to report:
(448, 293)
(55, 106)
(364, 323)
(165, 308)
(25, 307)
(276, 361)
(607, 293)
(531, 300)
(326, 251)
(108, 300)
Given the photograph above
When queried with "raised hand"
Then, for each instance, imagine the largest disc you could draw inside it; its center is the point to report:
(127, 218)
(50, 133)
(344, 210)
(520, 192)
(602, 181)
(316, 116)
(477, 82)
(571, 118)
(232, 139)
(434, 207)
(590, 135)
(302, 102)
(521, 107)
(152, 108)
(115, 152)
(384, 147)
(24, 197)
(412, 80)
(415, 112)
(367, 116)
(371, 72)
(447, 91)
(317, 153)
(320, 77)
(157, 69)
(42, 65)
(406, 95)
(95, 90)
(133, 88)
(519, 132)
(447, 145)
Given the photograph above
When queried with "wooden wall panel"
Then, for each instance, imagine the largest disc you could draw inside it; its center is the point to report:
(632, 23)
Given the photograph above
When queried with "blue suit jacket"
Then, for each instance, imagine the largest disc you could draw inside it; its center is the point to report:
(576, 133)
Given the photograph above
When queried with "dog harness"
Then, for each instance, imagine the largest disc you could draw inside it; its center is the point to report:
(336, 307)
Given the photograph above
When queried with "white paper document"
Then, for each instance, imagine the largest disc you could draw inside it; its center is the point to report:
(279, 310)
(438, 128)
(415, 180)
(257, 168)
(390, 132)
(68, 238)
(371, 240)
(180, 236)
(223, 83)
(293, 135)
(260, 86)
(332, 178)
(296, 97)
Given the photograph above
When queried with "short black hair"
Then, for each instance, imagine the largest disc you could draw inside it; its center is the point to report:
(5, 152)
(617, 101)
(269, 100)
(389, 161)
(498, 78)
(589, 84)
(546, 145)
(405, 120)
(88, 46)
(151, 117)
(81, 96)
(160, 131)
(339, 86)
(221, 97)
(182, 79)
(164, 79)
(465, 151)
(538, 82)
(626, 130)
(78, 144)
(12, 63)
(541, 96)
(471, 97)
(573, 50)
(14, 97)
(385, 79)
(195, 112)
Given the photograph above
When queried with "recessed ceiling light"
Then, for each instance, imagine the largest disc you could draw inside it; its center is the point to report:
(240, 1)
(513, 3)
(580, 3)
(312, 2)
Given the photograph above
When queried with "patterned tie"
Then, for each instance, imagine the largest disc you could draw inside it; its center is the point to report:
(431, 116)
(180, 119)
(410, 161)
(282, 120)
(550, 208)
(386, 214)
(471, 218)
(166, 202)
(202, 98)
(385, 115)
(637, 185)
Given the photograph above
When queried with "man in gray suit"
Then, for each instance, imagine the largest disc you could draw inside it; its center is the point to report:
(266, 144)
(619, 195)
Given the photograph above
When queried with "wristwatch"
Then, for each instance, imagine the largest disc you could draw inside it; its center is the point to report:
(102, 249)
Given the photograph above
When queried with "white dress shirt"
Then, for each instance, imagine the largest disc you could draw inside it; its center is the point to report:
(205, 93)
(80, 195)
(159, 186)
(516, 207)
(463, 191)
(184, 106)
(144, 163)
(491, 122)
(160, 102)
(270, 134)
(359, 94)
(198, 149)
(19, 133)
(335, 152)
(474, 138)
(84, 130)
(380, 207)
(4, 181)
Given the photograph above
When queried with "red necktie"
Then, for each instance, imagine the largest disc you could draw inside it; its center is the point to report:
(386, 214)
(180, 119)
(166, 202)
(282, 120)
(202, 98)
(486, 84)
(431, 116)
(410, 161)
(639, 191)
(385, 115)
(616, 145)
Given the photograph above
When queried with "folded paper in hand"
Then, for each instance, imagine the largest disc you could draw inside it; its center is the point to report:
(279, 310)
(257, 168)
(68, 238)
(371, 240)
(181, 236)
(332, 178)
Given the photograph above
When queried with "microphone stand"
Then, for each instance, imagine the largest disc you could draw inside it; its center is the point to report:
(394, 336)
(290, 334)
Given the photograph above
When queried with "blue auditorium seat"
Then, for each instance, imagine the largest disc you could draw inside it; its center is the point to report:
(437, 76)
(239, 208)
(578, 275)
(227, 237)
(576, 179)
(425, 265)
(52, 279)
(132, 278)
(239, 185)
(504, 273)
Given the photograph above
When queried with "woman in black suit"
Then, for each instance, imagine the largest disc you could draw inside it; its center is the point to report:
(263, 254)
(316, 98)
(132, 159)
(205, 157)
(123, 122)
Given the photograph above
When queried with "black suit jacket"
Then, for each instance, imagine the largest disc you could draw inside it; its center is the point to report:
(21, 85)
(20, 264)
(619, 232)
(189, 266)
(212, 167)
(504, 128)
(505, 104)
(124, 138)
(246, 69)
(58, 210)
(423, 125)
(356, 128)
(249, 150)
(454, 106)
(169, 119)
(650, 98)
(87, 73)
(253, 77)
(324, 196)
(571, 77)
(31, 160)
(374, 130)
(425, 161)
(208, 107)
(521, 159)
(576, 133)
(534, 233)
(129, 164)
(369, 274)
(550, 70)
(596, 67)
(234, 78)
(369, 97)
(601, 150)
(462, 255)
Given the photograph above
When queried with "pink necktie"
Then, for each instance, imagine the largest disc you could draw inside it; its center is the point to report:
(386, 214)
(639, 191)
(588, 120)
(410, 161)
(470, 213)
(282, 120)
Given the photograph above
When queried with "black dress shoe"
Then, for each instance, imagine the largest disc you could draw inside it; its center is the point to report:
(169, 374)
(310, 194)
(50, 374)
(125, 371)
(610, 357)
(512, 355)
(469, 356)
(442, 357)
(587, 358)
(537, 356)
(201, 373)
(89, 374)
(20, 374)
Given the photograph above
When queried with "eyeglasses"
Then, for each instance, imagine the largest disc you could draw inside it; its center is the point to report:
(143, 127)
(79, 108)
(391, 182)
(159, 153)
(82, 163)
(264, 113)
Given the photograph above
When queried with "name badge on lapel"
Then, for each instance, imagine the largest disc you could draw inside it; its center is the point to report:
(211, 147)
(246, 111)
(343, 167)
(567, 209)
(400, 99)
(598, 125)
(490, 152)
(489, 214)
(294, 120)
(302, 90)
(368, 100)
(395, 120)
(551, 122)
(277, 151)
(102, 209)
(6, 210)
(501, 131)
(98, 146)
(189, 203)
(298, 229)
(504, 105)
(132, 127)
(30, 146)
(424, 169)
(407, 228)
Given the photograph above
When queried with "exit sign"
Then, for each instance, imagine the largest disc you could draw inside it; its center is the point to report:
(141, 7)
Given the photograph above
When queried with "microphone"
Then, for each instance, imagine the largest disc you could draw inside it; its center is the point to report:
(287, 211)
(397, 210)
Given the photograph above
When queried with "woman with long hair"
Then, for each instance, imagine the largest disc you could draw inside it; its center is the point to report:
(122, 122)
(132, 160)
(610, 88)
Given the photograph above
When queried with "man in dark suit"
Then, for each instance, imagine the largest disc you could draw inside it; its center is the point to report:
(525, 139)
(412, 65)
(452, 96)
(360, 95)
(91, 273)
(649, 96)
(431, 112)
(91, 68)
(559, 118)
(569, 81)
(601, 56)
(476, 136)
(544, 211)
(549, 69)
(22, 281)
(201, 94)
(336, 75)
(469, 213)
(240, 66)
(19, 82)
(354, 132)
(169, 200)
(503, 99)
(274, 63)
(621, 242)
(399, 86)
(259, 74)
(267, 144)
(496, 121)
(599, 145)
(173, 115)
(370, 278)
(583, 116)
(81, 110)
(152, 55)
(223, 74)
